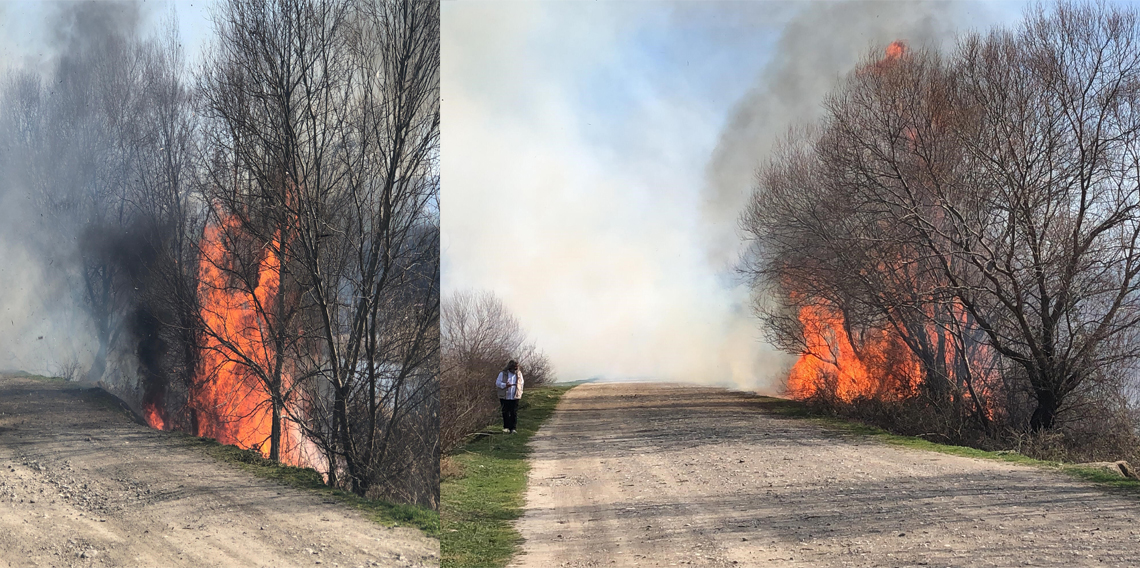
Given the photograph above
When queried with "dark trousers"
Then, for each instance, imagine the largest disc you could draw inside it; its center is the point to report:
(510, 413)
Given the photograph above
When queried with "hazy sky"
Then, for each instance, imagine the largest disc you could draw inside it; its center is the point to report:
(595, 156)
(26, 27)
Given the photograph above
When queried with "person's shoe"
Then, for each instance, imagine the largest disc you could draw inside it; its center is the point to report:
(505, 430)
(513, 432)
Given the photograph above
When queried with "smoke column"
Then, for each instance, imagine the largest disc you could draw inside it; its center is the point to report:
(43, 326)
(594, 171)
(817, 46)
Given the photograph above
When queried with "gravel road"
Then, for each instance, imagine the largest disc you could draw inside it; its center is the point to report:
(667, 475)
(83, 485)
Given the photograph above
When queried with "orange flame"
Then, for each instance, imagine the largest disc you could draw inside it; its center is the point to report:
(880, 364)
(153, 416)
(230, 401)
(882, 368)
(896, 50)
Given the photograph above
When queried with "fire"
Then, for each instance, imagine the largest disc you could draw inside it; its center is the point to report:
(882, 367)
(880, 363)
(894, 53)
(896, 50)
(230, 400)
(153, 416)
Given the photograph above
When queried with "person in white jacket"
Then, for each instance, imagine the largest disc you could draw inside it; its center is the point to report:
(510, 386)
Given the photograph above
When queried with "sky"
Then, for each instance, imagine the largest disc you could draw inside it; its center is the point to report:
(596, 156)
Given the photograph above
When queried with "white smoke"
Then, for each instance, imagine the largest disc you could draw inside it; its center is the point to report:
(610, 228)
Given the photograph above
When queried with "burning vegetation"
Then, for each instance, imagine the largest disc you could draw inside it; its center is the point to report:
(256, 245)
(953, 248)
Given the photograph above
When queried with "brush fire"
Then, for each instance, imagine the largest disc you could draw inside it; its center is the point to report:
(227, 401)
(236, 258)
(951, 248)
(920, 342)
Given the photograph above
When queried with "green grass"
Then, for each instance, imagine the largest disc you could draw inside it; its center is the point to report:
(382, 512)
(27, 375)
(483, 487)
(796, 409)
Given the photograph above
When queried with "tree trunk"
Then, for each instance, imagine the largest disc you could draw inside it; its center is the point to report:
(275, 431)
(341, 409)
(99, 365)
(1046, 412)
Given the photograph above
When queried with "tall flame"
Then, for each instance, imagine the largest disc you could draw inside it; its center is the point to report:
(883, 367)
(229, 401)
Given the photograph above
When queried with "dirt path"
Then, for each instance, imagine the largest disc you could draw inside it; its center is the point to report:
(81, 485)
(658, 475)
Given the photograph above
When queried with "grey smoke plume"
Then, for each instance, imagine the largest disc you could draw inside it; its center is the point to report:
(43, 222)
(612, 234)
(83, 26)
(819, 44)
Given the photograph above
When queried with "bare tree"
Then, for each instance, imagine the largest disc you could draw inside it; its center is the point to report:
(370, 253)
(990, 196)
(479, 335)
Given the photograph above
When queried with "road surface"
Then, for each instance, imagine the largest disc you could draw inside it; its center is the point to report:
(666, 475)
(83, 485)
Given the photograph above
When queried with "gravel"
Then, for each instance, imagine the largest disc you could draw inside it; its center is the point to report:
(670, 475)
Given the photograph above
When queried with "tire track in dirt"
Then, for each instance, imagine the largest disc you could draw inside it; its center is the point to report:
(668, 475)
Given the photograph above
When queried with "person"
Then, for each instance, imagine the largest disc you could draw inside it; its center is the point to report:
(510, 386)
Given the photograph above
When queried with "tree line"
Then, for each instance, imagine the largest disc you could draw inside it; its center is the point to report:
(968, 221)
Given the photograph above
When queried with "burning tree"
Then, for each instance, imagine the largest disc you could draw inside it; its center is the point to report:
(979, 208)
(323, 296)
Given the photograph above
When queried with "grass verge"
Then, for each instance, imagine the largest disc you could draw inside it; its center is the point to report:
(796, 409)
(483, 485)
(382, 512)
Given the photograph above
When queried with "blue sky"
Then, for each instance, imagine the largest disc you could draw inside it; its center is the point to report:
(596, 155)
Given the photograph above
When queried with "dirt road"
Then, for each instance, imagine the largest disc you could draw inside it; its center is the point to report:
(651, 475)
(82, 485)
